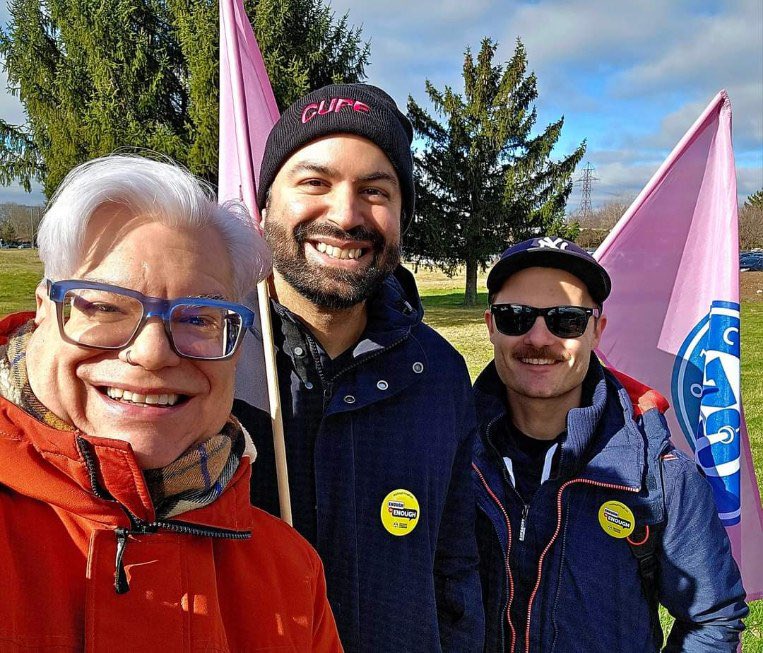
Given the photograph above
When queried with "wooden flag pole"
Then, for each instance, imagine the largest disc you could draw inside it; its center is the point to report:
(274, 401)
(229, 44)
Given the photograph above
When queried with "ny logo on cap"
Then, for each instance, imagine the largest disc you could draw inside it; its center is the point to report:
(553, 243)
(334, 105)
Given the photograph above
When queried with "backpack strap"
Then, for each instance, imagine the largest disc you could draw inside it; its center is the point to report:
(644, 544)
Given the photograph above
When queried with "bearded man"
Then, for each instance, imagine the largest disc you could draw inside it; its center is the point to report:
(377, 407)
(125, 522)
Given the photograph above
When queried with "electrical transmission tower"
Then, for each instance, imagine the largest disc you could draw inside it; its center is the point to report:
(585, 210)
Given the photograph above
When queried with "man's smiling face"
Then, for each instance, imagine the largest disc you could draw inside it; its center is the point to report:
(538, 364)
(157, 401)
(333, 220)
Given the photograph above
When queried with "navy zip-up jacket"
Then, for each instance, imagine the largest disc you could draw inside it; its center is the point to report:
(396, 413)
(580, 587)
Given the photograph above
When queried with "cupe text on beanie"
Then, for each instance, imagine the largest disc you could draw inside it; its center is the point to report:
(359, 109)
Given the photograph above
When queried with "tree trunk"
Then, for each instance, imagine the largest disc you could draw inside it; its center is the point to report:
(470, 296)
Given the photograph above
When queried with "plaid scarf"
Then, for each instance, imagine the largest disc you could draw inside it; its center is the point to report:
(193, 480)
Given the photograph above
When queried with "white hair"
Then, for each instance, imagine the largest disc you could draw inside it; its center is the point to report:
(162, 190)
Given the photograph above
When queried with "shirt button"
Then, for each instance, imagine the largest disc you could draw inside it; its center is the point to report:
(308, 385)
(418, 367)
(382, 385)
(349, 399)
(298, 351)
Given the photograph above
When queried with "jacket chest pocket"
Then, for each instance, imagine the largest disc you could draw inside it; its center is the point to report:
(171, 604)
(593, 578)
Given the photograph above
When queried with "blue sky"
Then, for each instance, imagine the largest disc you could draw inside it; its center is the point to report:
(630, 77)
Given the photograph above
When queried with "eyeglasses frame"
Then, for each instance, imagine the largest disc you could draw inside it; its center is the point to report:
(543, 312)
(152, 307)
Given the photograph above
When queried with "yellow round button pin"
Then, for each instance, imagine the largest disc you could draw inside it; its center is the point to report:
(400, 512)
(616, 519)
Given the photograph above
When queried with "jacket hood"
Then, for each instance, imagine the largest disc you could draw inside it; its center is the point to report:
(396, 307)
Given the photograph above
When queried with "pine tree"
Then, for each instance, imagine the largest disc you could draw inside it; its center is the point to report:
(96, 76)
(483, 179)
(305, 47)
(755, 200)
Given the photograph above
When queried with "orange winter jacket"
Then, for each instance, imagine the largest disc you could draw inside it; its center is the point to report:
(77, 524)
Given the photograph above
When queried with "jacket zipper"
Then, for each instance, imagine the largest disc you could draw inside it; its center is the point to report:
(507, 481)
(370, 356)
(328, 384)
(140, 527)
(509, 577)
(523, 522)
(611, 486)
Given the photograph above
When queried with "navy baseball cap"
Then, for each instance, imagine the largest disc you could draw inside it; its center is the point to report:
(552, 252)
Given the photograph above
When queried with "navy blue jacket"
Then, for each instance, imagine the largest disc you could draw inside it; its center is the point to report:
(396, 414)
(570, 586)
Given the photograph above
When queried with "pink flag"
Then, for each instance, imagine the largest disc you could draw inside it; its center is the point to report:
(248, 110)
(674, 317)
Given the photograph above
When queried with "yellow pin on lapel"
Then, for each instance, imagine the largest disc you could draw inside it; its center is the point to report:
(400, 512)
(616, 519)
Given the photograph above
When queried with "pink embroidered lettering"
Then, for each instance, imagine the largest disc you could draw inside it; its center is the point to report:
(308, 113)
(335, 105)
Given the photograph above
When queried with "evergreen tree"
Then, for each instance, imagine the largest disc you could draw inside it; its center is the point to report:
(755, 200)
(305, 47)
(95, 76)
(483, 180)
(7, 233)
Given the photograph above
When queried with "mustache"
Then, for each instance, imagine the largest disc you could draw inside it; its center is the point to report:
(548, 353)
(310, 231)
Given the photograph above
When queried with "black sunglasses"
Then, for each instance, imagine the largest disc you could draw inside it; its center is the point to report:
(562, 321)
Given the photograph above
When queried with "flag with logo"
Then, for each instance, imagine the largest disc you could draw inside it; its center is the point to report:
(674, 317)
(248, 110)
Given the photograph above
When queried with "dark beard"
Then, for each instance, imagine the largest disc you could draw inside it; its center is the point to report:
(327, 287)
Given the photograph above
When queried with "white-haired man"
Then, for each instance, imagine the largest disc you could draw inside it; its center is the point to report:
(125, 521)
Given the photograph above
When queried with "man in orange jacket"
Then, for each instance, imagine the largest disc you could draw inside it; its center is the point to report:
(125, 521)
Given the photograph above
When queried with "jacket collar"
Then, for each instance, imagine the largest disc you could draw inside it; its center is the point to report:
(603, 442)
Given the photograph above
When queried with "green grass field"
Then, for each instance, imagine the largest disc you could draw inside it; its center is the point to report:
(464, 327)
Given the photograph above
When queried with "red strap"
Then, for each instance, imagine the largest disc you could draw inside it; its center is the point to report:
(642, 396)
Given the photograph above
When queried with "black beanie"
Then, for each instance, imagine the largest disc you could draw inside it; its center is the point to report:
(359, 109)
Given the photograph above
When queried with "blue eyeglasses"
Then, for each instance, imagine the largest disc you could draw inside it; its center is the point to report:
(101, 316)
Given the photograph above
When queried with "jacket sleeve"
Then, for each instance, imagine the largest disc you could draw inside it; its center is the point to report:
(457, 585)
(699, 582)
(325, 635)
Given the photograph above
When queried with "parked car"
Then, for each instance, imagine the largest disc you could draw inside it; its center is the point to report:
(751, 261)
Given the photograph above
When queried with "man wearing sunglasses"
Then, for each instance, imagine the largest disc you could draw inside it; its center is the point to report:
(125, 522)
(587, 515)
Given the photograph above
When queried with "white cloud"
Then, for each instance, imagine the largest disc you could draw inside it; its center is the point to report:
(722, 48)
(631, 76)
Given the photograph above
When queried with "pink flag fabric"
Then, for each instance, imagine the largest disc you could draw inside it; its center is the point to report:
(674, 318)
(248, 110)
